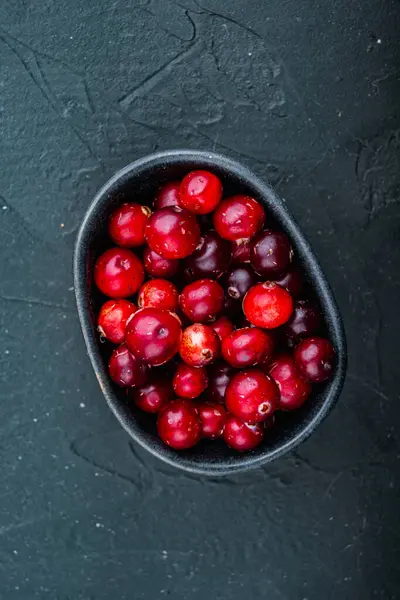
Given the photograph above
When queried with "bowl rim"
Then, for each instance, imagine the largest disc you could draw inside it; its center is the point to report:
(279, 209)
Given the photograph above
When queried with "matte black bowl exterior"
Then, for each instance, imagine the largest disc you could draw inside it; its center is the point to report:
(139, 181)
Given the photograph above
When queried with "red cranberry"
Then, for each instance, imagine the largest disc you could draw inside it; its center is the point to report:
(305, 321)
(118, 273)
(241, 251)
(189, 382)
(210, 259)
(159, 293)
(202, 300)
(222, 327)
(267, 305)
(112, 319)
(292, 281)
(242, 436)
(172, 232)
(167, 195)
(238, 217)
(153, 335)
(238, 281)
(315, 359)
(294, 389)
(158, 266)
(152, 396)
(178, 424)
(200, 192)
(212, 418)
(252, 395)
(199, 345)
(127, 223)
(219, 375)
(247, 347)
(270, 253)
(126, 369)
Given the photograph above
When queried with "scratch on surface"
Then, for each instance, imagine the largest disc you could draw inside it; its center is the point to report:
(368, 385)
(7, 528)
(37, 302)
(332, 483)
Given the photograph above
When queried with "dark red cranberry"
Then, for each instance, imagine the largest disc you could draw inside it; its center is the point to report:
(294, 389)
(153, 335)
(178, 424)
(167, 195)
(292, 281)
(232, 307)
(202, 301)
(252, 395)
(212, 418)
(199, 346)
(159, 293)
(305, 321)
(158, 266)
(242, 436)
(112, 319)
(247, 347)
(315, 359)
(270, 253)
(200, 192)
(152, 396)
(238, 281)
(118, 273)
(127, 224)
(219, 375)
(267, 305)
(172, 232)
(126, 369)
(238, 217)
(189, 382)
(210, 259)
(222, 327)
(241, 251)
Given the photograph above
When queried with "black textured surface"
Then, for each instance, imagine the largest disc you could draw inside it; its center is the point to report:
(307, 95)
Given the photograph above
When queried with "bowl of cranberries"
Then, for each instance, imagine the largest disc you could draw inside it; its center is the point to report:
(209, 323)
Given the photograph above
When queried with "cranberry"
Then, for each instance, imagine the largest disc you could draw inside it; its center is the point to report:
(219, 375)
(200, 192)
(172, 232)
(126, 369)
(241, 251)
(158, 266)
(159, 293)
(202, 300)
(238, 217)
(267, 305)
(210, 259)
(189, 382)
(167, 195)
(292, 281)
(118, 273)
(242, 436)
(178, 424)
(153, 335)
(315, 359)
(247, 347)
(127, 223)
(304, 322)
(112, 319)
(199, 345)
(239, 280)
(294, 389)
(212, 418)
(252, 395)
(270, 253)
(222, 327)
(152, 396)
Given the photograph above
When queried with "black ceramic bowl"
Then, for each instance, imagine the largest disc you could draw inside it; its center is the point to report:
(139, 181)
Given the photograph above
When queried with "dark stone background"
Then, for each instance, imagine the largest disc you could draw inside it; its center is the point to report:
(307, 94)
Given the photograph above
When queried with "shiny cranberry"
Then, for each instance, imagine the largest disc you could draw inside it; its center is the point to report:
(167, 195)
(305, 321)
(200, 192)
(267, 305)
(219, 375)
(292, 281)
(222, 327)
(315, 359)
(202, 300)
(294, 389)
(238, 217)
(242, 436)
(247, 347)
(126, 369)
(159, 293)
(238, 281)
(189, 382)
(127, 224)
(158, 266)
(199, 346)
(152, 396)
(153, 335)
(270, 253)
(172, 232)
(241, 251)
(252, 395)
(112, 319)
(210, 259)
(178, 424)
(118, 273)
(212, 418)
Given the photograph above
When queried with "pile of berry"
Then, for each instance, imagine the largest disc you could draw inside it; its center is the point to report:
(220, 336)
